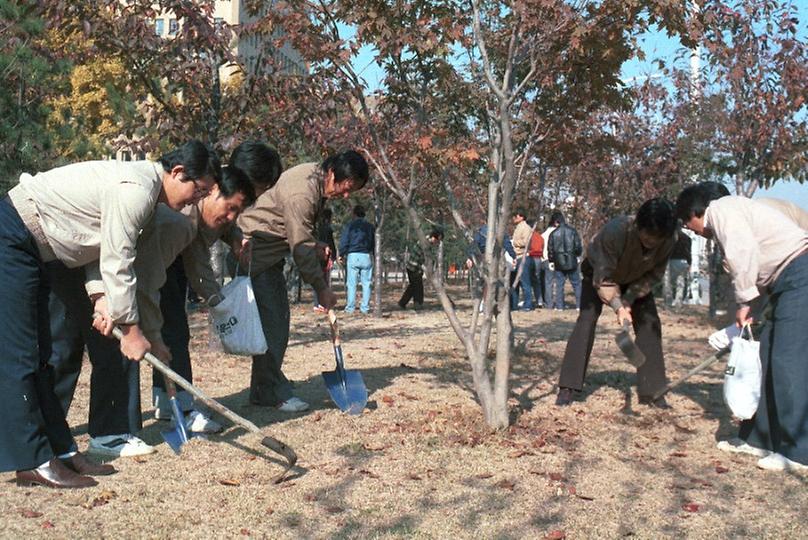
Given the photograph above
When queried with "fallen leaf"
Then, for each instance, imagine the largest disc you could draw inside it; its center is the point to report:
(270, 511)
(334, 509)
(244, 532)
(519, 453)
(47, 525)
(368, 473)
(228, 482)
(505, 484)
(140, 459)
(571, 490)
(309, 497)
(413, 476)
(557, 534)
(584, 497)
(28, 513)
(483, 476)
(405, 366)
(316, 417)
(691, 507)
(679, 454)
(556, 477)
(720, 469)
(388, 400)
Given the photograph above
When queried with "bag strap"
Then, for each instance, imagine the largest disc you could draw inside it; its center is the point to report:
(747, 328)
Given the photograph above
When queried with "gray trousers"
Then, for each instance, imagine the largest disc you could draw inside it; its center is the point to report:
(268, 384)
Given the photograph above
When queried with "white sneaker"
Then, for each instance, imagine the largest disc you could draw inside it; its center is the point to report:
(737, 446)
(778, 462)
(198, 422)
(293, 404)
(124, 445)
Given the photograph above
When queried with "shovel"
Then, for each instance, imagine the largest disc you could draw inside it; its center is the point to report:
(633, 353)
(346, 388)
(270, 442)
(709, 361)
(177, 436)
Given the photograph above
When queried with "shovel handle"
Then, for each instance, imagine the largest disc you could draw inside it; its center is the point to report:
(268, 441)
(707, 362)
(332, 320)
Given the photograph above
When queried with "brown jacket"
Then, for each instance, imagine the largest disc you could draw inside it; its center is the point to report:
(283, 221)
(617, 258)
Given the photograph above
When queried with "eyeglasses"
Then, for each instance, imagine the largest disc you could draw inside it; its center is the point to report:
(200, 189)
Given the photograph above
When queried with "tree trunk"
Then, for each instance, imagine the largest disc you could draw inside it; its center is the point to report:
(379, 211)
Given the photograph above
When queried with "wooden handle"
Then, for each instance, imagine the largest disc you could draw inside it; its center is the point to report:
(332, 319)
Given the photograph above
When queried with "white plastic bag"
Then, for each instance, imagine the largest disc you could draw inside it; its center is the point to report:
(236, 320)
(742, 378)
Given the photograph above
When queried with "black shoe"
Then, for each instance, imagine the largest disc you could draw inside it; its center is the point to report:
(658, 403)
(564, 397)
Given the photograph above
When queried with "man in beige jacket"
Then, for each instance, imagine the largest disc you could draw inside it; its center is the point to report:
(283, 221)
(87, 214)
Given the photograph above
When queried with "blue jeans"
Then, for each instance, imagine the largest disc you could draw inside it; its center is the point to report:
(359, 265)
(575, 279)
(525, 282)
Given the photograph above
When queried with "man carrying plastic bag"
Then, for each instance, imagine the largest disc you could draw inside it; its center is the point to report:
(764, 248)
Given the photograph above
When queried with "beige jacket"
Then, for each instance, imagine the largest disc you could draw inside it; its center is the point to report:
(758, 242)
(618, 258)
(521, 238)
(791, 210)
(283, 221)
(168, 235)
(93, 212)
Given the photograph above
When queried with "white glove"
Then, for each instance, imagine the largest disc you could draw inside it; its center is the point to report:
(723, 338)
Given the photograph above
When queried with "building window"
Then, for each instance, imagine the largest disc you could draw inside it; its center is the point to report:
(173, 27)
(159, 26)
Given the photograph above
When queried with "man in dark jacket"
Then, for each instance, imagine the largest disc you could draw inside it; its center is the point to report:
(678, 270)
(624, 261)
(357, 244)
(563, 250)
(415, 271)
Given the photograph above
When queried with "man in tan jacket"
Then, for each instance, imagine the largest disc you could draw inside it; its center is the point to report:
(87, 214)
(283, 221)
(624, 261)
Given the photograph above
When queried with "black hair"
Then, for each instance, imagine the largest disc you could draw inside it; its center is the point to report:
(556, 217)
(261, 163)
(656, 217)
(327, 213)
(348, 164)
(359, 211)
(520, 212)
(197, 159)
(694, 200)
(234, 181)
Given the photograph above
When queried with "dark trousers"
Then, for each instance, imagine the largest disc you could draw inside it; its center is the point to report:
(176, 334)
(781, 421)
(536, 281)
(268, 384)
(114, 381)
(415, 288)
(33, 428)
(648, 329)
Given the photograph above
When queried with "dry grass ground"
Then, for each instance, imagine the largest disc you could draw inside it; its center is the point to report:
(420, 463)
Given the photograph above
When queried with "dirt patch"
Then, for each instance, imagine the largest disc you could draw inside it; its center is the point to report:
(420, 461)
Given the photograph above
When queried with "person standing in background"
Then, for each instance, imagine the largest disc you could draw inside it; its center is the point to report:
(357, 243)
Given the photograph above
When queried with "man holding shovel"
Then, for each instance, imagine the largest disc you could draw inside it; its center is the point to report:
(89, 214)
(624, 261)
(283, 221)
(764, 248)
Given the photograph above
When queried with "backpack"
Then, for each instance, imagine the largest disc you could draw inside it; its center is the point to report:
(536, 246)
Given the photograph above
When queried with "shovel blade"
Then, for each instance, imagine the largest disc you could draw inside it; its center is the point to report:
(633, 353)
(348, 392)
(173, 438)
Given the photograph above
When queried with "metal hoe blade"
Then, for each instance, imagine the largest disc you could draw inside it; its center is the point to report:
(178, 435)
(633, 353)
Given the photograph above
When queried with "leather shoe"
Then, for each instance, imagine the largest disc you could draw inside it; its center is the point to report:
(56, 475)
(79, 463)
(658, 403)
(564, 397)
